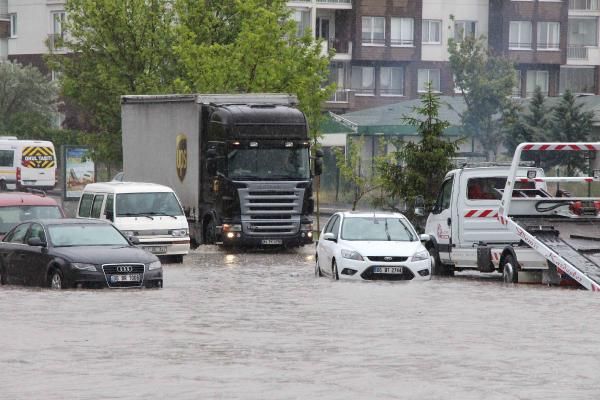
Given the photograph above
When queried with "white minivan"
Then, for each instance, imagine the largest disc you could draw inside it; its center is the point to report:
(27, 164)
(148, 211)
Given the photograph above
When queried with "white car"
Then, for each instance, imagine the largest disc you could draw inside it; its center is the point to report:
(372, 246)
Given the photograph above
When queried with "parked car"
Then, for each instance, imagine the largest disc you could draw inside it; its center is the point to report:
(372, 246)
(67, 253)
(17, 207)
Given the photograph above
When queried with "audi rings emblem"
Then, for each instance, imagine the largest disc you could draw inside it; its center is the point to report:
(388, 258)
(124, 268)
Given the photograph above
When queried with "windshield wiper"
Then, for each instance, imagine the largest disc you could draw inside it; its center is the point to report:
(162, 214)
(134, 215)
(386, 230)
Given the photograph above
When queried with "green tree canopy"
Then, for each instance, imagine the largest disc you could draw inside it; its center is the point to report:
(28, 101)
(530, 126)
(486, 83)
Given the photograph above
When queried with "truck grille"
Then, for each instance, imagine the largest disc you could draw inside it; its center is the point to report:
(271, 208)
(123, 270)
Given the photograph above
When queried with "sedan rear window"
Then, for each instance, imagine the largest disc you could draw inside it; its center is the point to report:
(377, 229)
(85, 235)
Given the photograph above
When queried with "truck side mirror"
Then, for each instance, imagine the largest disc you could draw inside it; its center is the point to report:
(318, 166)
(319, 153)
(419, 206)
(211, 154)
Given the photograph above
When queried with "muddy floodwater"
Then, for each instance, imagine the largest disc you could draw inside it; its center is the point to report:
(261, 326)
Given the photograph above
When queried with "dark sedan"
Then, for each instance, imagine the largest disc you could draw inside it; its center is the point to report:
(70, 253)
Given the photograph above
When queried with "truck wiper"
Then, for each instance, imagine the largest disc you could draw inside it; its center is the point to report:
(135, 215)
(162, 214)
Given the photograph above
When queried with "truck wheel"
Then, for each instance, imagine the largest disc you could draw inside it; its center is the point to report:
(510, 273)
(3, 187)
(210, 232)
(437, 267)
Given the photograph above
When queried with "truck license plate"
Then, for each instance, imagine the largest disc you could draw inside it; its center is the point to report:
(387, 270)
(126, 278)
(155, 249)
(271, 241)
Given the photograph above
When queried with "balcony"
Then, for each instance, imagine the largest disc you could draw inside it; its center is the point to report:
(584, 5)
(577, 52)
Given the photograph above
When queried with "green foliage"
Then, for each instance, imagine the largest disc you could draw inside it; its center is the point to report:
(486, 83)
(27, 100)
(420, 167)
(119, 47)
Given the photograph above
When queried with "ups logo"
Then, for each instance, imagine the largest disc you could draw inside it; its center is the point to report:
(181, 156)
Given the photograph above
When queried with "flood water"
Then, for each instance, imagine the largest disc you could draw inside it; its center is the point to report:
(261, 326)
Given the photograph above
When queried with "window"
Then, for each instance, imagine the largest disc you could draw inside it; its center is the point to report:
(402, 32)
(443, 201)
(108, 208)
(97, 206)
(85, 206)
(519, 35)
(36, 231)
(463, 29)
(548, 35)
(363, 80)
(7, 158)
(302, 19)
(391, 80)
(584, 5)
(583, 32)
(578, 80)
(516, 91)
(13, 25)
(428, 75)
(432, 31)
(373, 31)
(58, 17)
(485, 188)
(18, 234)
(537, 78)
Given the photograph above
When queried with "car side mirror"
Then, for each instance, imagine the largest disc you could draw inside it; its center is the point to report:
(134, 240)
(318, 166)
(330, 236)
(319, 153)
(424, 237)
(36, 241)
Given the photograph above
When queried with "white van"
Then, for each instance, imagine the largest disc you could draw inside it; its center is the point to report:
(27, 164)
(149, 211)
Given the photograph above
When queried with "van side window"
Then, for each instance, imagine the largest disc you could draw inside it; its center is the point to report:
(85, 206)
(97, 206)
(6, 158)
(108, 208)
(444, 197)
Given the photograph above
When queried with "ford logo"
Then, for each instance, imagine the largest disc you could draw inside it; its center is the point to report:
(124, 268)
(388, 258)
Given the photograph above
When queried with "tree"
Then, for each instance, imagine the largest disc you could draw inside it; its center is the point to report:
(421, 166)
(486, 83)
(119, 47)
(532, 126)
(570, 123)
(28, 101)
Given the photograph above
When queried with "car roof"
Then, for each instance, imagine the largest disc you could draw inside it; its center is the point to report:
(71, 221)
(367, 214)
(25, 199)
(126, 187)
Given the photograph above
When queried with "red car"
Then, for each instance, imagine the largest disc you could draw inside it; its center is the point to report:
(17, 207)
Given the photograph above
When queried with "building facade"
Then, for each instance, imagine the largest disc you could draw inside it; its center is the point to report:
(391, 49)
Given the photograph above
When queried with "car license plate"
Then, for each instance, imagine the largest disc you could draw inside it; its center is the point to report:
(126, 278)
(155, 249)
(387, 270)
(272, 241)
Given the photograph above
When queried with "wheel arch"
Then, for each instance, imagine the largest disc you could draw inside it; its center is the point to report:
(508, 251)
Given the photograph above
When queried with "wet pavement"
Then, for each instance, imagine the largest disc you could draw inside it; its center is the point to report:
(261, 326)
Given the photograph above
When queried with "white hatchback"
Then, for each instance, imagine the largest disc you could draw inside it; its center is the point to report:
(372, 246)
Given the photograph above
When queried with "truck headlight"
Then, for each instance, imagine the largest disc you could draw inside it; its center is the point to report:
(154, 265)
(306, 227)
(179, 232)
(420, 256)
(352, 255)
(232, 228)
(84, 267)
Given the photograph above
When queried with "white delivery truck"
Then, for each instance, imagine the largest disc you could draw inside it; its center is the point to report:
(503, 218)
(27, 164)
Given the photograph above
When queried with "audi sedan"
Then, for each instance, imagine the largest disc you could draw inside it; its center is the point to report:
(73, 253)
(372, 246)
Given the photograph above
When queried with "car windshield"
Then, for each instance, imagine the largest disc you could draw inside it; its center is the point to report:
(70, 235)
(377, 229)
(269, 164)
(11, 216)
(161, 203)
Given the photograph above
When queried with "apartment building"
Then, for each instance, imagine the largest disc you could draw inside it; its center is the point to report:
(390, 49)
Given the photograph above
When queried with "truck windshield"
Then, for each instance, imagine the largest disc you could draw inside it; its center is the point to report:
(269, 164)
(147, 204)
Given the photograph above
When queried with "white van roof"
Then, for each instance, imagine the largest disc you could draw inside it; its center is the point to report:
(12, 140)
(126, 187)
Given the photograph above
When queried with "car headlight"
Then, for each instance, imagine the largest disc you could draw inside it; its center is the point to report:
(352, 255)
(154, 265)
(128, 233)
(179, 232)
(421, 255)
(84, 267)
